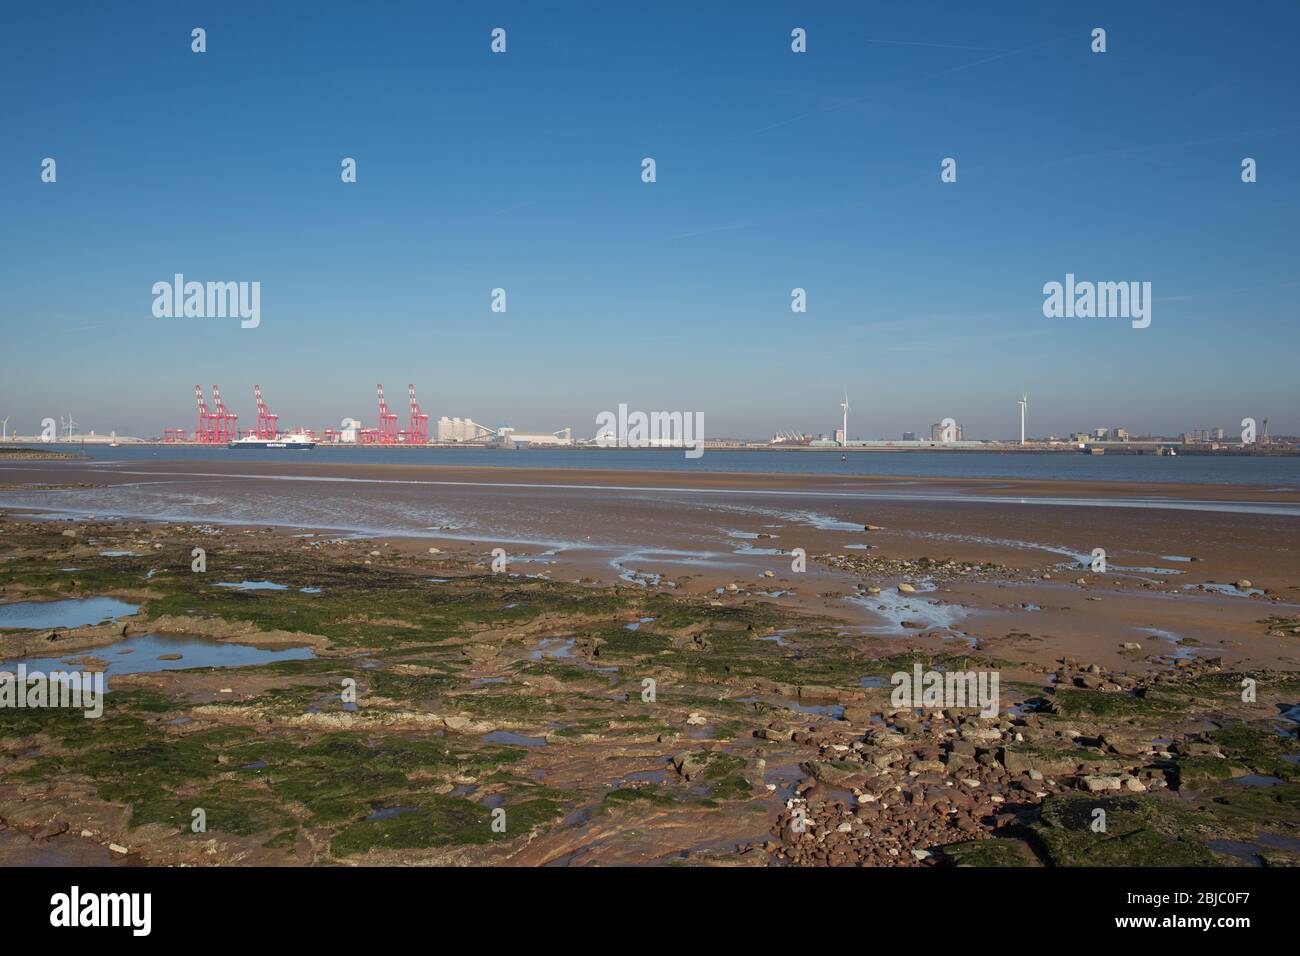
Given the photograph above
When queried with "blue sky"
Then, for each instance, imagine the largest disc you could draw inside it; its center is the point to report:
(775, 170)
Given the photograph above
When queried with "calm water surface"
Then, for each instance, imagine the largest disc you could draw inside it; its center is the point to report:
(1282, 472)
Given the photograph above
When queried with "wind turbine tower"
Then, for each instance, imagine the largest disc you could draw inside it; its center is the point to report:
(1023, 403)
(845, 406)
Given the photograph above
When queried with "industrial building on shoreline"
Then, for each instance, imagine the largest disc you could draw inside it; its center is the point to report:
(218, 425)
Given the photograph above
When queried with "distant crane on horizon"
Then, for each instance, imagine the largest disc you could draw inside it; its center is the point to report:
(1023, 403)
(845, 406)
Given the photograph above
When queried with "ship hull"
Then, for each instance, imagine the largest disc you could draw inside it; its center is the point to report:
(278, 445)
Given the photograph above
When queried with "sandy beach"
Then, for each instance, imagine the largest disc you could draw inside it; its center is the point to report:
(698, 533)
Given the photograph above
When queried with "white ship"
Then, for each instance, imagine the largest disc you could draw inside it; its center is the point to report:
(289, 442)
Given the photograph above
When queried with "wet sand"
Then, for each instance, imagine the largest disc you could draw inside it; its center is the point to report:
(743, 481)
(733, 535)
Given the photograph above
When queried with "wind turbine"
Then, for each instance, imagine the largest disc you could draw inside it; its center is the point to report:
(4, 430)
(845, 406)
(1023, 403)
(70, 424)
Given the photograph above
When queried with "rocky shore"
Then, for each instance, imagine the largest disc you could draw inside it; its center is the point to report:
(633, 724)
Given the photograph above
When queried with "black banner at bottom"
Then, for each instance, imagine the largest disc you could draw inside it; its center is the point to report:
(331, 904)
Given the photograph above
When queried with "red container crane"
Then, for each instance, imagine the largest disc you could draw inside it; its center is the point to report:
(268, 428)
(418, 430)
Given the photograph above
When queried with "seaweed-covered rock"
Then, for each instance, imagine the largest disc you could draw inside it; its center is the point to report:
(1139, 831)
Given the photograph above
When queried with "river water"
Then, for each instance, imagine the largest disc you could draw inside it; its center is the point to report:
(1246, 470)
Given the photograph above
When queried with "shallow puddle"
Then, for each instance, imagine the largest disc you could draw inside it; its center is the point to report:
(552, 647)
(145, 650)
(510, 738)
(70, 613)
(1181, 650)
(834, 711)
(388, 813)
(1237, 849)
(1258, 780)
(1278, 841)
(785, 777)
(896, 607)
(1231, 590)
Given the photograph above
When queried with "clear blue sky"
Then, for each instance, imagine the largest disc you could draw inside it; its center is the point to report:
(775, 170)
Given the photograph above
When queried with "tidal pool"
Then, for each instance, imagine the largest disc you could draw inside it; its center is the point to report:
(1231, 590)
(552, 647)
(389, 813)
(139, 655)
(69, 613)
(1258, 780)
(510, 738)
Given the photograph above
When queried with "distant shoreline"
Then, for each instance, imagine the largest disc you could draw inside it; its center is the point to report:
(21, 453)
(1279, 450)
